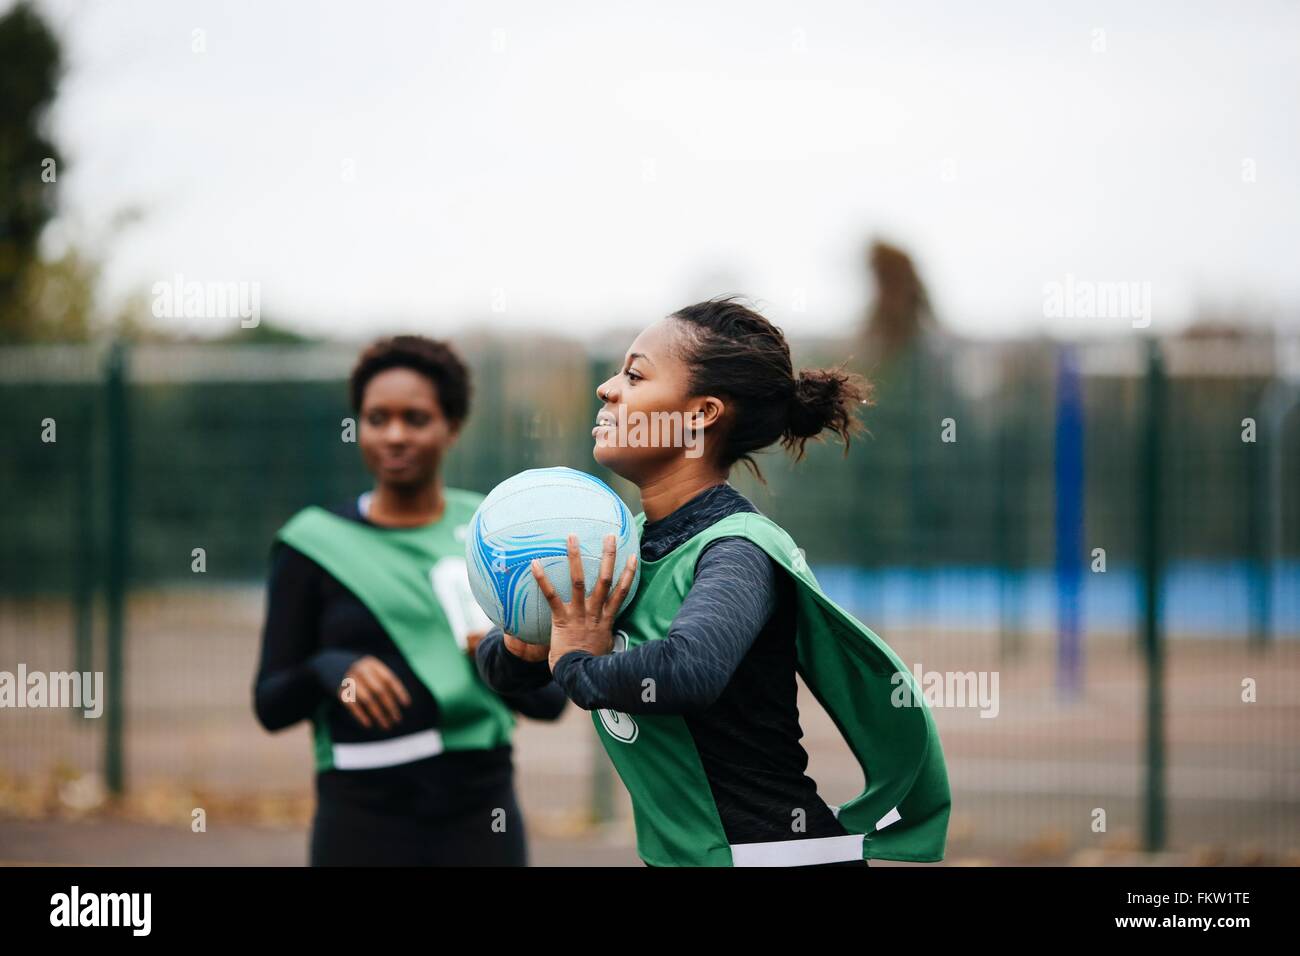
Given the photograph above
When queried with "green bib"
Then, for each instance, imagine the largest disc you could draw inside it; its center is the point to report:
(902, 813)
(409, 578)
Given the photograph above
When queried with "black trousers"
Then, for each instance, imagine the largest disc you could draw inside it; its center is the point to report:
(491, 833)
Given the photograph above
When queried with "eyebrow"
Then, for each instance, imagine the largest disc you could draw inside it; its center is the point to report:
(637, 355)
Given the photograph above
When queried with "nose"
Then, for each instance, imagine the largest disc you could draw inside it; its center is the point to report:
(606, 390)
(395, 431)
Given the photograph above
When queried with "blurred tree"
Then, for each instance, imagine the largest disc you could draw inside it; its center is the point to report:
(31, 63)
(52, 301)
(901, 312)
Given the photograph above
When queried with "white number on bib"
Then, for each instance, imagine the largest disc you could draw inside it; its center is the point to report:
(450, 577)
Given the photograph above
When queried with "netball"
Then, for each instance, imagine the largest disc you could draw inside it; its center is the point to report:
(529, 516)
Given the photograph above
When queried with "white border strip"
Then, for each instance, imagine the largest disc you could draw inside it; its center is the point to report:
(387, 753)
(835, 849)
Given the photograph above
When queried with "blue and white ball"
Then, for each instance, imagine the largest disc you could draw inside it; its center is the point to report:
(530, 516)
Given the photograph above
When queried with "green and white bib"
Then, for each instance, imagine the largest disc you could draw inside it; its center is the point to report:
(902, 812)
(414, 582)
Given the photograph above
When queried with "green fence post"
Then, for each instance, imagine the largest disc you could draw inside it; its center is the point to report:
(1152, 569)
(117, 572)
(83, 541)
(1008, 631)
(1259, 508)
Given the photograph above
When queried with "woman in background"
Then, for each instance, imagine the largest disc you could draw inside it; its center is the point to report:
(370, 633)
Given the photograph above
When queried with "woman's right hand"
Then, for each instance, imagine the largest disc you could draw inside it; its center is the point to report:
(377, 696)
(522, 649)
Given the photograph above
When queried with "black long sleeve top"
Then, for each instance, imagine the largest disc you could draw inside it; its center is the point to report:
(315, 629)
(727, 665)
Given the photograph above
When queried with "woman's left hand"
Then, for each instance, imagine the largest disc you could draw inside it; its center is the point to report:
(585, 623)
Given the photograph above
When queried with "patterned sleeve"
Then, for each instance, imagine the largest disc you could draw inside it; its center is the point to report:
(505, 673)
(732, 596)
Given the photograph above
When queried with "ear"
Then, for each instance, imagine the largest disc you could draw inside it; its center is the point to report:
(708, 411)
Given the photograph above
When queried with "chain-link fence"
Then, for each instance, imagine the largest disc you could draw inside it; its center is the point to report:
(1002, 527)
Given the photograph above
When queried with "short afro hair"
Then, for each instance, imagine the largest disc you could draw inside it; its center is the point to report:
(437, 361)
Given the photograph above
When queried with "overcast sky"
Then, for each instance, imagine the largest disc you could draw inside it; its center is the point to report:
(578, 165)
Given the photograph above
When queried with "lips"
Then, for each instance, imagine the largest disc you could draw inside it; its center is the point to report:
(604, 419)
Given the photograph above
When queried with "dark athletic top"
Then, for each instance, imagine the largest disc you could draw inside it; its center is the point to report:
(315, 630)
(727, 665)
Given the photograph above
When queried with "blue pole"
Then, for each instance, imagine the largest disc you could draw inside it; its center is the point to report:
(1069, 522)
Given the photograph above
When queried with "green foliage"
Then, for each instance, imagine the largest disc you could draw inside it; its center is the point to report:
(30, 67)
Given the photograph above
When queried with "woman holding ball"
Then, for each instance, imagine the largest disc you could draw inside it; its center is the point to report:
(692, 687)
(370, 630)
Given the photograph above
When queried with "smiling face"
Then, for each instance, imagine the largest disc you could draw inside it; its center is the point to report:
(652, 386)
(403, 432)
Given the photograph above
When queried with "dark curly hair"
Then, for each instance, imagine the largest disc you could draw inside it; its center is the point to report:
(736, 353)
(437, 361)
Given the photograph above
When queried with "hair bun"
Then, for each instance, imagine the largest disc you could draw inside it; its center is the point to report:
(813, 402)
